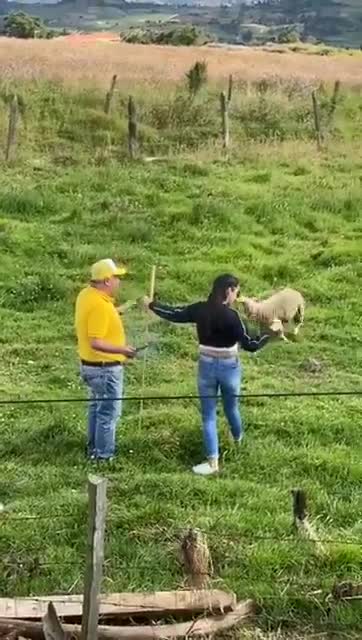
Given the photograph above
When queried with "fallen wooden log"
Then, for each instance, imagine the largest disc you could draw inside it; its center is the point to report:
(123, 605)
(191, 629)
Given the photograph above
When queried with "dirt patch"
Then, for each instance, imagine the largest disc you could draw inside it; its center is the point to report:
(89, 38)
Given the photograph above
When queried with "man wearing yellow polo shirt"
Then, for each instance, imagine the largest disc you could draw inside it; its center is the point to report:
(102, 350)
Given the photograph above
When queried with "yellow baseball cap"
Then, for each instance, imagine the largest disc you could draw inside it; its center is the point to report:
(104, 269)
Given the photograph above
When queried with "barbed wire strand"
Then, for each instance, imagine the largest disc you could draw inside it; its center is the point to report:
(174, 398)
(234, 537)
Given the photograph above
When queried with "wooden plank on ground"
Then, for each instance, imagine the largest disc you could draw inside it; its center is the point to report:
(122, 605)
(192, 629)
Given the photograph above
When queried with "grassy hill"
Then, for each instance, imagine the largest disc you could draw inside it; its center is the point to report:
(331, 22)
(275, 212)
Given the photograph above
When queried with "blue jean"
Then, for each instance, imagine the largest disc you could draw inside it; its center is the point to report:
(103, 383)
(219, 375)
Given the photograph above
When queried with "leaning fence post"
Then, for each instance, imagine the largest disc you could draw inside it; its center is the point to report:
(224, 120)
(132, 128)
(97, 488)
(317, 122)
(12, 127)
(52, 627)
(301, 521)
(109, 95)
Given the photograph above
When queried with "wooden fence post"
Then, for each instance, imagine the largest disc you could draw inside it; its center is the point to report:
(334, 100)
(196, 559)
(97, 488)
(317, 122)
(224, 120)
(230, 88)
(109, 95)
(12, 128)
(132, 128)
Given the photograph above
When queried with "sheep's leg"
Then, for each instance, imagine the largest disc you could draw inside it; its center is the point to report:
(284, 326)
(298, 320)
(296, 329)
(277, 327)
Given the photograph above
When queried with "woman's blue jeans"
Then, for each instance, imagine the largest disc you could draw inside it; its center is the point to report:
(219, 376)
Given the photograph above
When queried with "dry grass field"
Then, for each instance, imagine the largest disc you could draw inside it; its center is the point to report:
(93, 60)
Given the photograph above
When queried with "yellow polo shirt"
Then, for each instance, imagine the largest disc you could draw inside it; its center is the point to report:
(97, 317)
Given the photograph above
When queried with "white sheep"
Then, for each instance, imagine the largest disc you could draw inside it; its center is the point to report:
(277, 311)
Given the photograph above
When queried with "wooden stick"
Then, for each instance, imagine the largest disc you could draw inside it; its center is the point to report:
(153, 282)
(317, 123)
(97, 488)
(160, 604)
(192, 629)
(109, 95)
(224, 120)
(147, 339)
(12, 128)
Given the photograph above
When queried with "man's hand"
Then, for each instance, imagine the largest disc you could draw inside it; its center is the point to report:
(129, 352)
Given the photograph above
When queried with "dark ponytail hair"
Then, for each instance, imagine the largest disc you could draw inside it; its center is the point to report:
(220, 287)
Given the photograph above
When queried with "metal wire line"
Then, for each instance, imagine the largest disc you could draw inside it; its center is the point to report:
(234, 537)
(172, 398)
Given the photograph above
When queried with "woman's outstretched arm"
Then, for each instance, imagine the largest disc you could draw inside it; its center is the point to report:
(177, 314)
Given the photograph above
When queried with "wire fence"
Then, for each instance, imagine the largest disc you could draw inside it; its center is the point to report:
(30, 562)
(297, 593)
(9, 518)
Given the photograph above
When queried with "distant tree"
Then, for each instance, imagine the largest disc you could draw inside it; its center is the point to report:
(287, 36)
(22, 25)
(184, 35)
(247, 36)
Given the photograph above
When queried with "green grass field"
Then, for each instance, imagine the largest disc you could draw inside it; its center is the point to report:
(276, 214)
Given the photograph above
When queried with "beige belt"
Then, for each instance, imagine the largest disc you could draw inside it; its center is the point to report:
(209, 352)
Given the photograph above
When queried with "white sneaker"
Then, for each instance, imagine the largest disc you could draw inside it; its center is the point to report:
(205, 469)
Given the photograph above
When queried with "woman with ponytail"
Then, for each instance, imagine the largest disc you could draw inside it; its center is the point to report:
(220, 333)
